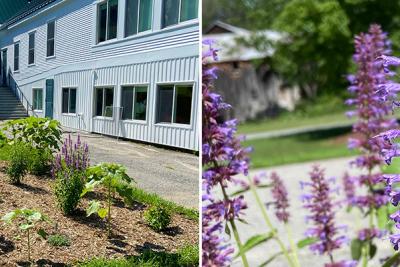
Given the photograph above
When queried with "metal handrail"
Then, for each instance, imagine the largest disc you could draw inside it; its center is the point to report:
(20, 95)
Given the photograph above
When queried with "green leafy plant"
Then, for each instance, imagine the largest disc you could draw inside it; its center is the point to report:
(157, 217)
(67, 190)
(26, 220)
(58, 240)
(40, 161)
(114, 179)
(19, 163)
(40, 133)
(188, 255)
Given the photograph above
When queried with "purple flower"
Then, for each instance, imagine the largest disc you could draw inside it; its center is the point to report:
(369, 234)
(280, 196)
(321, 207)
(223, 158)
(349, 187)
(342, 264)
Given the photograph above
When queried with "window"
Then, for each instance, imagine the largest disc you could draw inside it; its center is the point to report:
(51, 28)
(138, 16)
(31, 53)
(134, 103)
(69, 100)
(38, 99)
(174, 104)
(107, 20)
(16, 56)
(176, 11)
(104, 102)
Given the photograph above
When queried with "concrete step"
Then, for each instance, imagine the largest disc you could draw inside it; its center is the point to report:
(10, 106)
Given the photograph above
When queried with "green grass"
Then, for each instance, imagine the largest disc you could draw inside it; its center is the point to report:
(299, 148)
(58, 240)
(188, 256)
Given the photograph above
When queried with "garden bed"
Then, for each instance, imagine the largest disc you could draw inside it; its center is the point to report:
(88, 235)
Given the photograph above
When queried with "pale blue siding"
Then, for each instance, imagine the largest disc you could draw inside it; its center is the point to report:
(159, 56)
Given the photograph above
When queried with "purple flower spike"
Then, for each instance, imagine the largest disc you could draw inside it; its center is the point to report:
(223, 158)
(280, 195)
(321, 207)
(342, 264)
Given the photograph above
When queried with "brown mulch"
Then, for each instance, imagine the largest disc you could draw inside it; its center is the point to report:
(87, 234)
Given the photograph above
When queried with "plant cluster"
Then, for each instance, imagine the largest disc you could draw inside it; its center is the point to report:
(69, 171)
(58, 240)
(19, 163)
(158, 218)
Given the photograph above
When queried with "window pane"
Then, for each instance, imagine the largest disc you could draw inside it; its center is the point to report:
(35, 102)
(165, 100)
(170, 12)
(99, 102)
(131, 17)
(102, 23)
(189, 9)
(112, 19)
(31, 56)
(50, 30)
(72, 101)
(31, 59)
(145, 18)
(39, 100)
(140, 103)
(32, 41)
(65, 97)
(109, 95)
(50, 48)
(127, 103)
(16, 57)
(183, 104)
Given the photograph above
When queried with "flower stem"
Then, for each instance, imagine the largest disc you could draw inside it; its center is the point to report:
(268, 222)
(109, 211)
(292, 245)
(29, 247)
(236, 234)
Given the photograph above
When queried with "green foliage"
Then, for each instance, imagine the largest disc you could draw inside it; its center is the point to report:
(67, 190)
(40, 161)
(157, 217)
(40, 133)
(59, 240)
(114, 179)
(26, 220)
(19, 163)
(187, 256)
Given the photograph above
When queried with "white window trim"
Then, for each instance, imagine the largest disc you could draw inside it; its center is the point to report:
(138, 19)
(19, 57)
(54, 38)
(33, 98)
(172, 123)
(34, 49)
(69, 100)
(179, 17)
(134, 98)
(103, 106)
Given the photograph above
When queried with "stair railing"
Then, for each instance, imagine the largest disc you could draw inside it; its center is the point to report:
(20, 95)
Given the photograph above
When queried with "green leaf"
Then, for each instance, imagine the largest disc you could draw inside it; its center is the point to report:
(239, 192)
(89, 187)
(372, 250)
(227, 230)
(356, 249)
(9, 217)
(42, 233)
(306, 242)
(102, 213)
(382, 217)
(25, 226)
(390, 262)
(265, 263)
(94, 207)
(255, 241)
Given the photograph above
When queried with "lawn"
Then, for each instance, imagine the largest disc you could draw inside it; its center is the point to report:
(299, 148)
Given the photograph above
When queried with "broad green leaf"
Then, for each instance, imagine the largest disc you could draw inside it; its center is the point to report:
(25, 226)
(372, 250)
(356, 249)
(41, 232)
(35, 216)
(9, 217)
(89, 187)
(94, 207)
(255, 241)
(306, 242)
(102, 213)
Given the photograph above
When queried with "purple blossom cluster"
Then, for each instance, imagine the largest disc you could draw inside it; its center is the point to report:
(73, 157)
(280, 196)
(372, 114)
(320, 204)
(223, 157)
(392, 190)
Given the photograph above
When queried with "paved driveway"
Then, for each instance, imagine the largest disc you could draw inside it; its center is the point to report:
(292, 175)
(171, 174)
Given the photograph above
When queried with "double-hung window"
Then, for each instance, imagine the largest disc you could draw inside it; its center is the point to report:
(31, 47)
(37, 99)
(174, 104)
(138, 16)
(69, 100)
(51, 31)
(177, 11)
(134, 103)
(16, 56)
(107, 20)
(104, 101)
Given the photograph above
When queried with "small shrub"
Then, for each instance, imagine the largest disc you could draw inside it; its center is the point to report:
(69, 171)
(188, 256)
(40, 162)
(157, 217)
(58, 240)
(19, 163)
